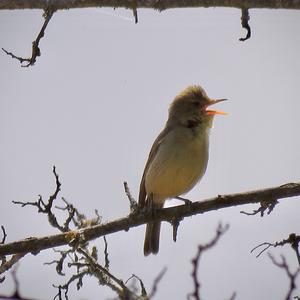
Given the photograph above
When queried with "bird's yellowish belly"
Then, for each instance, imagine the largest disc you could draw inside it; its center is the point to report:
(177, 167)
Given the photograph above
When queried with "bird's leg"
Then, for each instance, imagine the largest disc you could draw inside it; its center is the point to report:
(186, 201)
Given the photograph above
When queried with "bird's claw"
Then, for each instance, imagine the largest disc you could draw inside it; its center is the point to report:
(186, 201)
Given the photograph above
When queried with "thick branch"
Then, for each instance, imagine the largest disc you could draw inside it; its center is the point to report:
(155, 4)
(167, 214)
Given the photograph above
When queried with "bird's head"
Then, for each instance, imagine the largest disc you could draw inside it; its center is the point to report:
(191, 107)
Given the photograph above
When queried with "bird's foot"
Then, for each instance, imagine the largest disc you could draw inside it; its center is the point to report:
(186, 201)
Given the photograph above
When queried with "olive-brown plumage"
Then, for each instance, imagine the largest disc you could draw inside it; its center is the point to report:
(178, 157)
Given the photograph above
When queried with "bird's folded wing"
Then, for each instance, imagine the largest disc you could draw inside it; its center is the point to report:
(152, 154)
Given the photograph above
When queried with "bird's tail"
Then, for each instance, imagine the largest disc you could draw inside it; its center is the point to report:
(151, 244)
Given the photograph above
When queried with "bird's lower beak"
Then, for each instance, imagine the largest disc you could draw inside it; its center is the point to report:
(215, 112)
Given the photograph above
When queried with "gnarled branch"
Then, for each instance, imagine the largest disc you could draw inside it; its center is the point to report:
(35, 244)
(48, 13)
(155, 4)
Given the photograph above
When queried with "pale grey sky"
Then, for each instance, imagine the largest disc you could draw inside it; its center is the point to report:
(93, 104)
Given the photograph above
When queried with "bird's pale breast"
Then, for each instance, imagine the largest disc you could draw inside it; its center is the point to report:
(179, 163)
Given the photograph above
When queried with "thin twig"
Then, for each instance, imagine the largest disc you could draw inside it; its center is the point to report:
(79, 276)
(266, 204)
(48, 13)
(60, 262)
(245, 23)
(133, 203)
(293, 240)
(109, 279)
(156, 282)
(292, 276)
(196, 260)
(233, 296)
(4, 235)
(46, 208)
(134, 5)
(16, 282)
(143, 289)
(106, 259)
(175, 224)
(6, 265)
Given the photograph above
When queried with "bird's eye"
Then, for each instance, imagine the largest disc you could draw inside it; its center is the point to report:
(196, 103)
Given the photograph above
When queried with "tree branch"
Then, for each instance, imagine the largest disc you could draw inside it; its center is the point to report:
(245, 23)
(291, 276)
(4, 235)
(51, 6)
(6, 265)
(35, 245)
(48, 13)
(154, 4)
(196, 260)
(293, 240)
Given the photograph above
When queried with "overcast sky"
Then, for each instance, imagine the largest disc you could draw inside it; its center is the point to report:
(95, 101)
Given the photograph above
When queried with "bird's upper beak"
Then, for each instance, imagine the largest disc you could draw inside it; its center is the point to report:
(214, 112)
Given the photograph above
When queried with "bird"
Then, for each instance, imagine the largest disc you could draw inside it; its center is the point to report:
(178, 157)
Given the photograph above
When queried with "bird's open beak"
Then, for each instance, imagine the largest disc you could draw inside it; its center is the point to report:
(215, 112)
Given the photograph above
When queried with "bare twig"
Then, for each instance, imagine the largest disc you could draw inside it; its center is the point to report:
(186, 201)
(134, 10)
(135, 15)
(16, 282)
(245, 23)
(133, 203)
(293, 240)
(266, 204)
(86, 263)
(16, 294)
(196, 260)
(105, 277)
(8, 264)
(143, 289)
(106, 254)
(156, 282)
(175, 224)
(48, 13)
(79, 219)
(292, 276)
(46, 208)
(233, 296)
(79, 276)
(4, 235)
(82, 269)
(60, 262)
